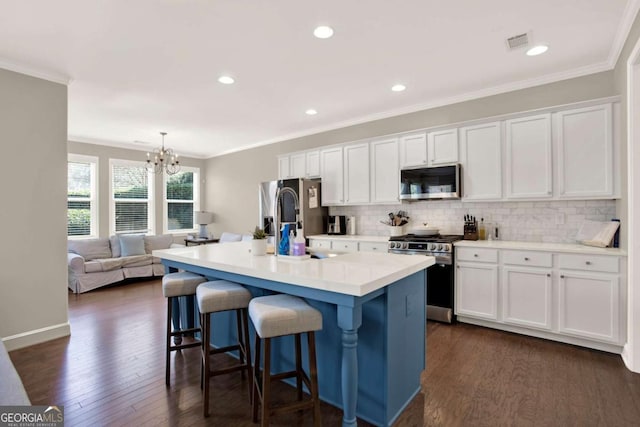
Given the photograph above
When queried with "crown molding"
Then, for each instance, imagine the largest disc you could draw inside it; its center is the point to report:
(131, 146)
(35, 72)
(628, 17)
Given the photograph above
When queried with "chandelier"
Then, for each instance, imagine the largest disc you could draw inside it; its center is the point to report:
(164, 160)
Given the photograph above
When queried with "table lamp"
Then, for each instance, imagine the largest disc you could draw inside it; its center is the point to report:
(203, 219)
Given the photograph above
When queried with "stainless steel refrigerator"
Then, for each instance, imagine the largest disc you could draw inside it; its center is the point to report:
(312, 216)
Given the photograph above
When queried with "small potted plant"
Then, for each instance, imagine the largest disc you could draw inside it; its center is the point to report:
(259, 242)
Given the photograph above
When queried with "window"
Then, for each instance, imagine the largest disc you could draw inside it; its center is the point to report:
(82, 196)
(131, 208)
(181, 200)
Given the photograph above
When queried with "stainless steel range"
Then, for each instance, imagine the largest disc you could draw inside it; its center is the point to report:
(440, 276)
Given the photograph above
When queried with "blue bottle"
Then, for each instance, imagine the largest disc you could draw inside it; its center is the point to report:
(283, 249)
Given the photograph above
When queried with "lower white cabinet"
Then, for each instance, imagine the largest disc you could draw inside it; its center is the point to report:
(345, 244)
(589, 305)
(526, 297)
(477, 290)
(576, 298)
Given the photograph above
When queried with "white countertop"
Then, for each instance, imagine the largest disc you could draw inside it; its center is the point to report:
(536, 246)
(356, 273)
(351, 237)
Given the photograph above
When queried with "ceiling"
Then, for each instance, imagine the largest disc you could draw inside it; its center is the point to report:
(140, 67)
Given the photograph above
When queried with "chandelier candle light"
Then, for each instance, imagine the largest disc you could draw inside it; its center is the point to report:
(164, 160)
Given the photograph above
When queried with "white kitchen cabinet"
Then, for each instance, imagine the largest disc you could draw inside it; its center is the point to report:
(528, 157)
(589, 305)
(584, 152)
(284, 171)
(413, 150)
(526, 296)
(313, 164)
(442, 147)
(481, 150)
(332, 176)
(476, 290)
(344, 245)
(292, 166)
(356, 174)
(373, 247)
(320, 244)
(384, 171)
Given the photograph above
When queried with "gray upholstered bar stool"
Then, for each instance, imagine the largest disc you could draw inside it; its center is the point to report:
(176, 285)
(275, 316)
(214, 297)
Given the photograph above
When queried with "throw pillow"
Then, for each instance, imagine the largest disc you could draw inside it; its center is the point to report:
(131, 244)
(115, 246)
(162, 241)
(90, 249)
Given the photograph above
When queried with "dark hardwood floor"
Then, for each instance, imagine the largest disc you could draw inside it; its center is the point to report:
(110, 371)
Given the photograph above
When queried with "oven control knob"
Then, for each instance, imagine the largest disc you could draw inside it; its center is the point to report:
(432, 247)
(447, 248)
(439, 247)
(392, 245)
(405, 245)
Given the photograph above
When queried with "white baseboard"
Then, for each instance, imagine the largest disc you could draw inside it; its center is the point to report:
(627, 358)
(37, 336)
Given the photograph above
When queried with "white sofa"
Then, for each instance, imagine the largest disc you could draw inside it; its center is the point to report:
(99, 262)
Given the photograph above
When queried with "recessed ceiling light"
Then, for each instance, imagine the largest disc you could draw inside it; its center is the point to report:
(226, 80)
(537, 50)
(398, 88)
(323, 32)
(311, 112)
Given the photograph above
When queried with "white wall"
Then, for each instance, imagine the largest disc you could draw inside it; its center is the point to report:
(33, 266)
(104, 153)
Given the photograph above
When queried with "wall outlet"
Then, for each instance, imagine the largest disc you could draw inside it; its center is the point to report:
(560, 219)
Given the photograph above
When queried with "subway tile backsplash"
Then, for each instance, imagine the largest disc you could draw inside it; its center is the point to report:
(552, 221)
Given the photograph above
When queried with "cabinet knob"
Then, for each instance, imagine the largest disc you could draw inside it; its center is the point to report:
(526, 258)
(457, 266)
(562, 276)
(475, 255)
(375, 249)
(548, 274)
(588, 263)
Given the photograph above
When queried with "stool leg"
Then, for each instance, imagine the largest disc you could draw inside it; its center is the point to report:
(298, 367)
(205, 355)
(256, 380)
(311, 343)
(168, 350)
(202, 350)
(247, 349)
(266, 383)
(240, 350)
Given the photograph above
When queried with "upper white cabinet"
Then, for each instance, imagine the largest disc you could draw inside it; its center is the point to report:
(413, 150)
(292, 166)
(585, 152)
(384, 171)
(442, 147)
(481, 149)
(332, 176)
(313, 164)
(528, 157)
(356, 173)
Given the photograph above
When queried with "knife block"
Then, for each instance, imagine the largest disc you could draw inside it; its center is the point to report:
(470, 232)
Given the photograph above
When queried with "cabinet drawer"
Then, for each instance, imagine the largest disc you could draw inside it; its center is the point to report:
(320, 244)
(344, 246)
(529, 258)
(373, 247)
(476, 254)
(607, 264)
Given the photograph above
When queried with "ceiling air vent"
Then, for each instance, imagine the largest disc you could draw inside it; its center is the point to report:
(518, 42)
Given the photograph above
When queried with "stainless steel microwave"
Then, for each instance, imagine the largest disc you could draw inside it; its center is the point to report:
(439, 182)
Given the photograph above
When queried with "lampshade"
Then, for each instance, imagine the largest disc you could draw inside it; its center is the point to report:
(203, 218)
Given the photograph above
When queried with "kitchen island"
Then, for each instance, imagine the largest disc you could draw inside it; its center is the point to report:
(371, 349)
